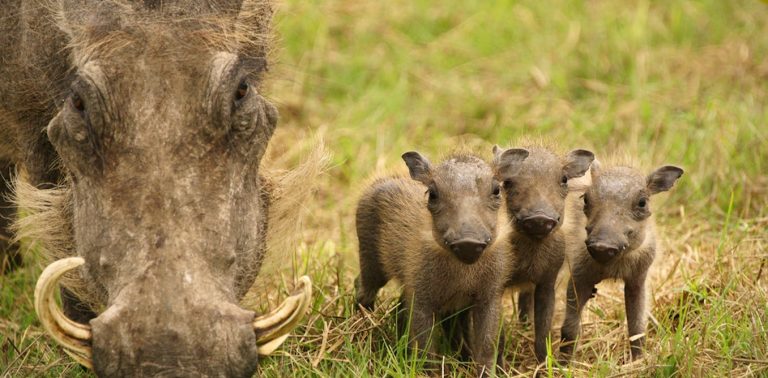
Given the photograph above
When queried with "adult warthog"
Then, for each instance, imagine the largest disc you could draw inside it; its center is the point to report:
(138, 129)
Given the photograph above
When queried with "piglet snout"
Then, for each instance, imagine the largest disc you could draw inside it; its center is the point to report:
(604, 252)
(468, 250)
(538, 225)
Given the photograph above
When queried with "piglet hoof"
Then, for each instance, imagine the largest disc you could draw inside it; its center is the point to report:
(566, 352)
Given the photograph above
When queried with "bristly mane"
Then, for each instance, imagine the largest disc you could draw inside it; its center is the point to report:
(118, 24)
(619, 160)
(465, 155)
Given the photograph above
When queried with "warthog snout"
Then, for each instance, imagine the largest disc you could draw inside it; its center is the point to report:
(603, 251)
(539, 225)
(135, 338)
(468, 250)
(216, 339)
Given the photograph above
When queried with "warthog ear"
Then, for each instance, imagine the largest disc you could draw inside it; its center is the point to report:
(507, 162)
(577, 162)
(254, 24)
(663, 178)
(418, 167)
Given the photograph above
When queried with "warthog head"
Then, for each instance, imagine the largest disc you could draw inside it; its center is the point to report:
(617, 206)
(463, 198)
(536, 188)
(161, 136)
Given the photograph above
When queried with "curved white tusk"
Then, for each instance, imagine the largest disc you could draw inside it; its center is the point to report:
(272, 329)
(73, 336)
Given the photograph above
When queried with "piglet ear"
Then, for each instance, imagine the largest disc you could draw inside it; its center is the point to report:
(507, 162)
(577, 162)
(418, 167)
(663, 178)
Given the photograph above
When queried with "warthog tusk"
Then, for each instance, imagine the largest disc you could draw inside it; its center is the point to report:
(73, 336)
(272, 329)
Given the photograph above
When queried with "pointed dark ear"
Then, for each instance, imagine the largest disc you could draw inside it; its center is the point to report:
(418, 167)
(577, 162)
(254, 23)
(507, 162)
(663, 178)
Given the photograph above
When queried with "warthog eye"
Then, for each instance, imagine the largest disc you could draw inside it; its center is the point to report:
(496, 189)
(642, 203)
(564, 180)
(242, 91)
(78, 103)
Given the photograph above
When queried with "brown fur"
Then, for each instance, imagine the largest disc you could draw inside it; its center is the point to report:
(614, 237)
(538, 188)
(404, 236)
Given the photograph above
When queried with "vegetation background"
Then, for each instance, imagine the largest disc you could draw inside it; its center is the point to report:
(681, 82)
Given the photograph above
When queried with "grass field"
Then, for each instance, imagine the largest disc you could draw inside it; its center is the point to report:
(677, 82)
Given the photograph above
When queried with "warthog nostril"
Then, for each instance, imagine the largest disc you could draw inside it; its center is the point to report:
(468, 250)
(538, 225)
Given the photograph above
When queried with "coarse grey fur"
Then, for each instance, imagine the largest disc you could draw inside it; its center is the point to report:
(437, 235)
(142, 122)
(534, 195)
(615, 238)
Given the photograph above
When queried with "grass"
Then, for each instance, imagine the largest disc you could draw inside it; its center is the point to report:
(668, 82)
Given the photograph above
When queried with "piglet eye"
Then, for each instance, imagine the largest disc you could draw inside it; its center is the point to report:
(432, 193)
(78, 103)
(642, 203)
(242, 91)
(564, 179)
(496, 189)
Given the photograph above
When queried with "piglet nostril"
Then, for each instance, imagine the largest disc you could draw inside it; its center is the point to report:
(538, 226)
(468, 250)
(603, 252)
